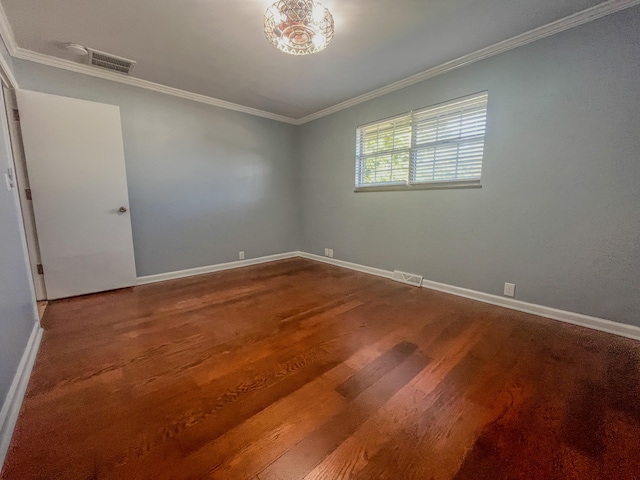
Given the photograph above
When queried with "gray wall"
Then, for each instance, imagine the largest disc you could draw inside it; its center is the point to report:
(559, 209)
(204, 182)
(557, 214)
(17, 314)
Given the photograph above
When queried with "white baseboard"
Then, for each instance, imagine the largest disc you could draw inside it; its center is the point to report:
(595, 323)
(161, 277)
(341, 263)
(13, 402)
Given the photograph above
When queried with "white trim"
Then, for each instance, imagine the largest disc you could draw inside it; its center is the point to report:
(36, 57)
(7, 37)
(191, 272)
(13, 401)
(18, 209)
(595, 323)
(603, 9)
(8, 79)
(352, 266)
(26, 209)
(6, 33)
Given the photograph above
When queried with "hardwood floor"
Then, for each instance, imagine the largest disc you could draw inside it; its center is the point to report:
(42, 307)
(301, 370)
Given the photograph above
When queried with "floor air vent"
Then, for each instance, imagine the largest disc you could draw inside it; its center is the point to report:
(110, 62)
(410, 278)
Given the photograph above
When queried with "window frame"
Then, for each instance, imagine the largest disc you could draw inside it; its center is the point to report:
(410, 184)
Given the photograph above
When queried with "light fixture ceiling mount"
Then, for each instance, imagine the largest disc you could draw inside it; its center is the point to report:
(298, 27)
(76, 49)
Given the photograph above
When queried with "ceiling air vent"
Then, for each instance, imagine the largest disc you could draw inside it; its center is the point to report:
(110, 62)
(410, 278)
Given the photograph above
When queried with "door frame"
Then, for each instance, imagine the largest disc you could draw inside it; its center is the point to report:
(22, 180)
(8, 80)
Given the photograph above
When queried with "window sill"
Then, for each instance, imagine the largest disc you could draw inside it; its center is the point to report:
(419, 186)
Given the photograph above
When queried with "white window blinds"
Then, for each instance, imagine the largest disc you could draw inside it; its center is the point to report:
(384, 152)
(443, 143)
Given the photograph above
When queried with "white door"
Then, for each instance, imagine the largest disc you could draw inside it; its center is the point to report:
(75, 162)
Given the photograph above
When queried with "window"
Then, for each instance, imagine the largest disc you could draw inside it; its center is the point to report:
(439, 146)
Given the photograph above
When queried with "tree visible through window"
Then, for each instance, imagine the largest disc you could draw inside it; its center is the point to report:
(443, 143)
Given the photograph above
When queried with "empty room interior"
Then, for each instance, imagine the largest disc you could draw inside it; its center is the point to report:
(366, 240)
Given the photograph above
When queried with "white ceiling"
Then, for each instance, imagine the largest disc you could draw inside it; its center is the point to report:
(217, 48)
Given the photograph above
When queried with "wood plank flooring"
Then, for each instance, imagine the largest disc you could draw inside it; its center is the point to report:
(42, 307)
(301, 370)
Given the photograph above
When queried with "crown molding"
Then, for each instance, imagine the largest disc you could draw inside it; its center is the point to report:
(601, 10)
(606, 8)
(16, 51)
(6, 74)
(43, 59)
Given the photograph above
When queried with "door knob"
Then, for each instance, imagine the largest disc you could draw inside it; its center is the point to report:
(122, 209)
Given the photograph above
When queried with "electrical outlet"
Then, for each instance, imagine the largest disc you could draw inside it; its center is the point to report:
(241, 255)
(326, 252)
(330, 252)
(509, 289)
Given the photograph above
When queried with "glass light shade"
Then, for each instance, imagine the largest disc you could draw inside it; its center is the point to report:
(298, 27)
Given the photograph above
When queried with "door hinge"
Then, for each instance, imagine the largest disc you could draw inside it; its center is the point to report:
(16, 115)
(40, 269)
(27, 192)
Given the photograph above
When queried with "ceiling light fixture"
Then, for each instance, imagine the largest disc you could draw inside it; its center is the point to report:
(298, 27)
